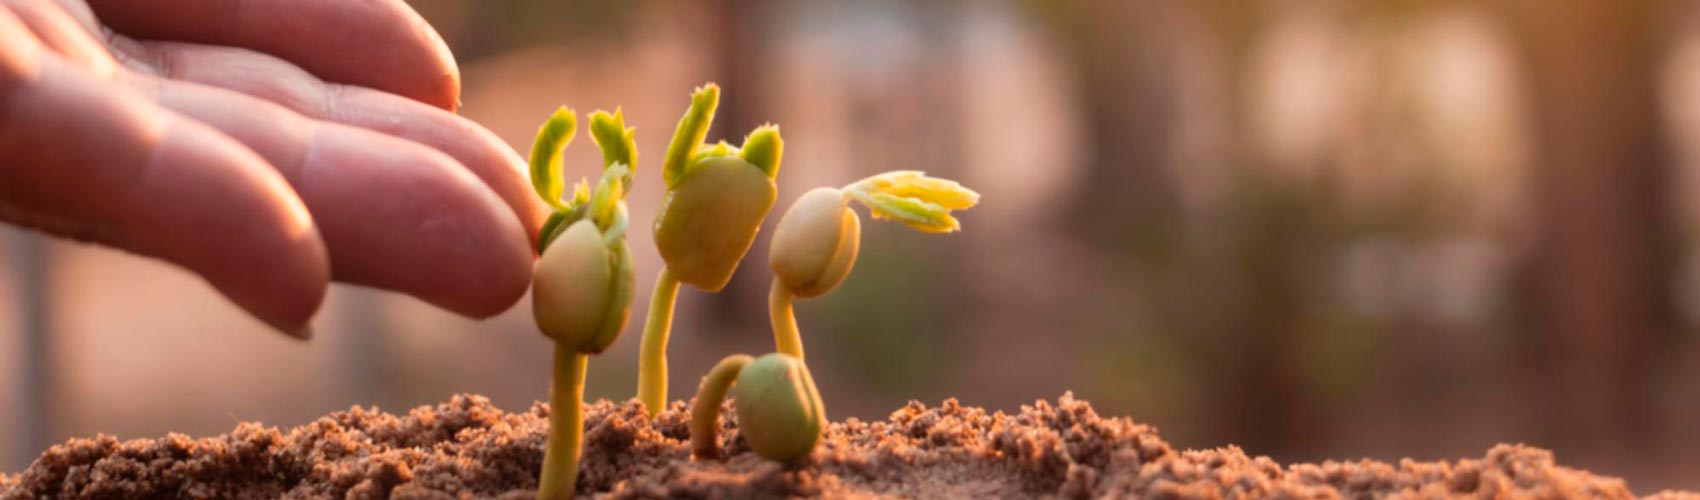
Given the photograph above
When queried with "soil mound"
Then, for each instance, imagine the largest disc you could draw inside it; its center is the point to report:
(466, 448)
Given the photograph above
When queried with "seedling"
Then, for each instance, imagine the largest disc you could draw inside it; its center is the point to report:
(779, 411)
(582, 285)
(816, 242)
(716, 199)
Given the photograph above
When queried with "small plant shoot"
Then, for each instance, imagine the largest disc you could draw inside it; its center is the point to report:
(780, 413)
(582, 285)
(815, 245)
(717, 196)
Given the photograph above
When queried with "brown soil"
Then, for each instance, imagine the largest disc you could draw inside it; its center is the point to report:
(467, 448)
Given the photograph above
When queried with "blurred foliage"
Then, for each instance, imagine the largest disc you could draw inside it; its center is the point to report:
(1246, 302)
(888, 315)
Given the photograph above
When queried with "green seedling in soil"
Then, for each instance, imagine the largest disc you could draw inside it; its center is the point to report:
(582, 285)
(779, 411)
(816, 242)
(717, 196)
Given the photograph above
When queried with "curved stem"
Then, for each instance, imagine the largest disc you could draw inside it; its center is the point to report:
(705, 412)
(786, 338)
(566, 426)
(652, 354)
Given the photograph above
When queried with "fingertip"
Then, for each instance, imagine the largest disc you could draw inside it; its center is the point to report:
(223, 212)
(304, 333)
(444, 90)
(494, 266)
(436, 75)
(289, 302)
(405, 217)
(493, 269)
(505, 173)
(392, 213)
(476, 148)
(486, 156)
(497, 272)
(506, 281)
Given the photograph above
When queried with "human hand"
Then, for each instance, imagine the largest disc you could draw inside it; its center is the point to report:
(268, 146)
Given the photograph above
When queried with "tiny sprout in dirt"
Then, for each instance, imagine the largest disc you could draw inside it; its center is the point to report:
(716, 199)
(816, 242)
(779, 411)
(582, 285)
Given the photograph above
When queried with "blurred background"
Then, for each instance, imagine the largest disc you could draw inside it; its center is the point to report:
(1315, 229)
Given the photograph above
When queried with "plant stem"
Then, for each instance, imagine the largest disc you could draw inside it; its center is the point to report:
(705, 412)
(566, 426)
(652, 354)
(786, 338)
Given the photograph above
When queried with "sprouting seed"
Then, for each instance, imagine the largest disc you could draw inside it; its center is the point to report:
(582, 285)
(716, 199)
(779, 410)
(815, 245)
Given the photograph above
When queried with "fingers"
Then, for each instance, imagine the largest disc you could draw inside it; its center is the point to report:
(394, 214)
(381, 44)
(272, 79)
(485, 154)
(62, 33)
(86, 158)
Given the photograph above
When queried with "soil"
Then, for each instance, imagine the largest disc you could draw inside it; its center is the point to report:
(466, 448)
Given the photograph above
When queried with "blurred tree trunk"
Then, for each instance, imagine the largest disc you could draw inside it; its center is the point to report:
(1599, 282)
(1126, 57)
(1125, 197)
(1264, 403)
(1266, 407)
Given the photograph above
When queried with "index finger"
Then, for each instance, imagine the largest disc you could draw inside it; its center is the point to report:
(382, 44)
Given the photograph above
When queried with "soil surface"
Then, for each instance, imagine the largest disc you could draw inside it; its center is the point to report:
(466, 448)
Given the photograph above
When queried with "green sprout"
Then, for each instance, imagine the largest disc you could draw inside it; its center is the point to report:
(716, 199)
(815, 244)
(582, 285)
(779, 411)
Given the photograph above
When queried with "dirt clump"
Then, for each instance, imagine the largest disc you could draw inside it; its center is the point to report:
(466, 448)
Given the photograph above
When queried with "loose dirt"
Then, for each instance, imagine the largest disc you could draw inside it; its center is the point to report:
(466, 448)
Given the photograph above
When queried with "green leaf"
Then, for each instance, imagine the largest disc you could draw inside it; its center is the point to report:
(916, 184)
(616, 230)
(552, 137)
(581, 194)
(609, 191)
(615, 138)
(763, 148)
(913, 212)
(693, 128)
(914, 199)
